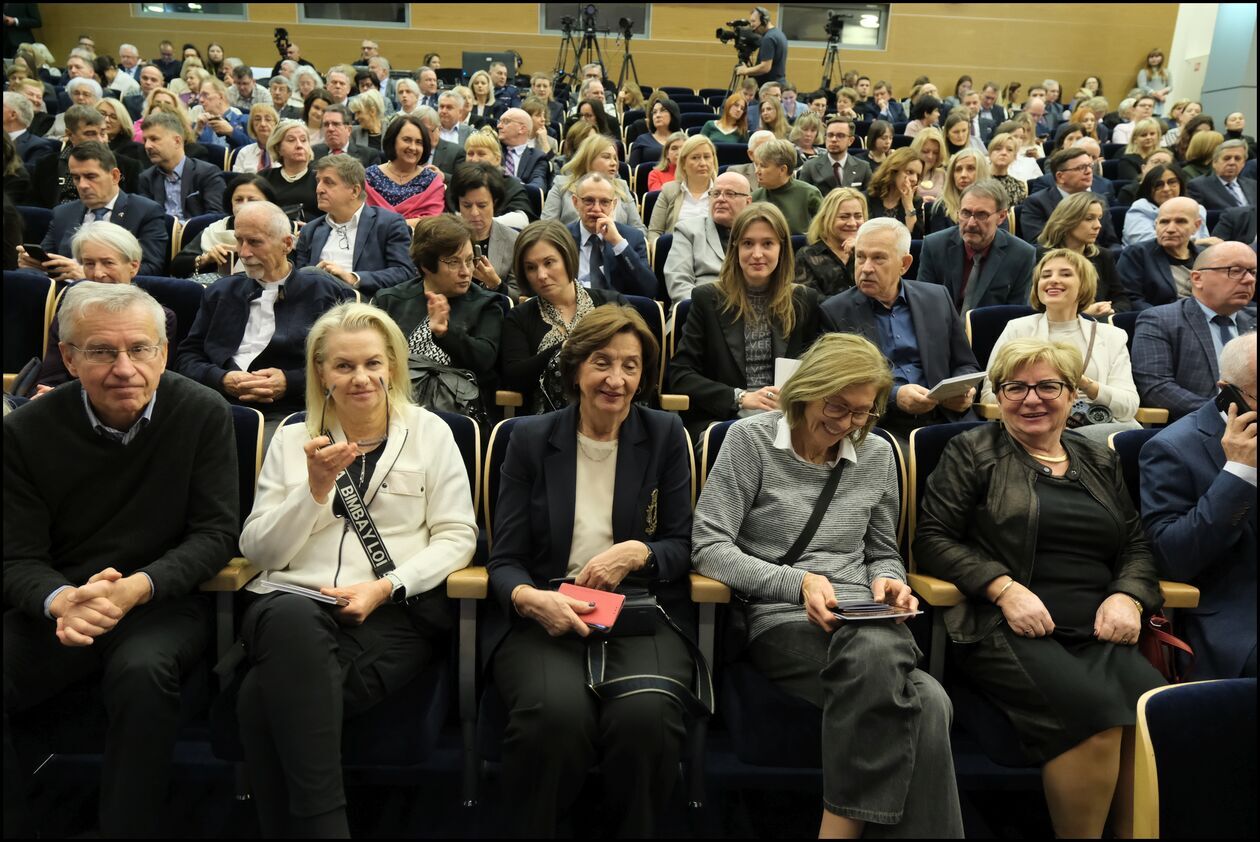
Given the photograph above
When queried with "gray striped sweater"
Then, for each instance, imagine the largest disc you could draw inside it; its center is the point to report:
(758, 499)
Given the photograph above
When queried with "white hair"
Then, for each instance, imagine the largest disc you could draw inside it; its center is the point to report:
(426, 115)
(303, 70)
(131, 47)
(459, 98)
(408, 84)
(276, 221)
(759, 137)
(111, 236)
(113, 299)
(81, 82)
(1238, 360)
(384, 61)
(884, 223)
(21, 107)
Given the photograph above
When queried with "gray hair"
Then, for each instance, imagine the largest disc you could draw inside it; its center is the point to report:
(1238, 360)
(163, 120)
(283, 80)
(348, 169)
(426, 115)
(409, 84)
(372, 98)
(80, 82)
(1050, 82)
(276, 220)
(111, 236)
(586, 86)
(303, 70)
(759, 137)
(765, 86)
(779, 153)
(594, 178)
(1236, 143)
(21, 106)
(990, 188)
(384, 61)
(131, 47)
(885, 223)
(111, 298)
(426, 69)
(459, 99)
(78, 116)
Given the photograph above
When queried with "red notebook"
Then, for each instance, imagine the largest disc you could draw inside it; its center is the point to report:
(607, 605)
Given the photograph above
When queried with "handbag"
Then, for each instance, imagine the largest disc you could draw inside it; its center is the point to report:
(444, 387)
(735, 636)
(1159, 646)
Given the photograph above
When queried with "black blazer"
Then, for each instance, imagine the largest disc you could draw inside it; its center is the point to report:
(142, 217)
(31, 148)
(447, 157)
(201, 187)
(533, 517)
(520, 364)
(628, 272)
(1005, 276)
(1237, 224)
(1147, 274)
(1036, 210)
(1208, 191)
(46, 178)
(709, 363)
(366, 155)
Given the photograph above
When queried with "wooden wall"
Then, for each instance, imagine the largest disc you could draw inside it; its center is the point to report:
(1002, 42)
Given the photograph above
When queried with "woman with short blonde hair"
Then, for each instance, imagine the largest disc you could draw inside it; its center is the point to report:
(598, 153)
(687, 196)
(1002, 151)
(827, 263)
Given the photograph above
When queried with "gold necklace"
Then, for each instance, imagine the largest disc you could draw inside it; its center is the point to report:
(1053, 460)
(596, 454)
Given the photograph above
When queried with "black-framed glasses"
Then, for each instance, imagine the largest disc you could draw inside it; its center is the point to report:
(839, 410)
(109, 356)
(1047, 390)
(1234, 273)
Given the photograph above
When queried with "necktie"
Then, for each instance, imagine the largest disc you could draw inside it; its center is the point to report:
(99, 214)
(1223, 329)
(973, 277)
(596, 277)
(339, 152)
(838, 170)
(1236, 192)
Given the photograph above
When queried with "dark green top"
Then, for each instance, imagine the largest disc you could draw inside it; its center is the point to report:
(798, 200)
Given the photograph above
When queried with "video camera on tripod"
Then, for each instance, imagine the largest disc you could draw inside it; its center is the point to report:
(746, 40)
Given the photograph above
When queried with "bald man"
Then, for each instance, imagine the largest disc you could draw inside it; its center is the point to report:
(519, 160)
(700, 243)
(1158, 271)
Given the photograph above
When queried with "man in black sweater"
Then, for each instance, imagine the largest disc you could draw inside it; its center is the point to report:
(117, 505)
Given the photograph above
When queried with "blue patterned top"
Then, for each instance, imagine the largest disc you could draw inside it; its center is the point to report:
(393, 192)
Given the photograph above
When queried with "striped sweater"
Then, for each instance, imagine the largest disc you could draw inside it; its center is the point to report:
(758, 499)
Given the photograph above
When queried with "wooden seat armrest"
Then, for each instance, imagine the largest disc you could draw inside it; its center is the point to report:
(989, 411)
(935, 592)
(706, 590)
(235, 575)
(506, 398)
(469, 583)
(675, 403)
(9, 380)
(1151, 415)
(1179, 594)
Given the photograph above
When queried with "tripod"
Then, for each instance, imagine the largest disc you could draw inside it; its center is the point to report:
(831, 63)
(627, 64)
(566, 43)
(588, 52)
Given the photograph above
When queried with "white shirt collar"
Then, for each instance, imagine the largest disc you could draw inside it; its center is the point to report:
(783, 441)
(353, 224)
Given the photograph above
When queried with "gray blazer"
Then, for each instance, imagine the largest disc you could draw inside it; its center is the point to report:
(695, 257)
(502, 243)
(818, 172)
(665, 213)
(1005, 277)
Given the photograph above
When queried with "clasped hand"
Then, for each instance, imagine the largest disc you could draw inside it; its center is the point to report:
(262, 386)
(91, 610)
(1117, 620)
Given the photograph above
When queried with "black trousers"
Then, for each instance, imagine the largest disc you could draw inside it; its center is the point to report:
(307, 674)
(141, 664)
(557, 729)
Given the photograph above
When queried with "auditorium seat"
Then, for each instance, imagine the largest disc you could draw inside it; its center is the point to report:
(29, 298)
(35, 223)
(985, 324)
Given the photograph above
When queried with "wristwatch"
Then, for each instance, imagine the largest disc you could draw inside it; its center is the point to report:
(398, 592)
(739, 399)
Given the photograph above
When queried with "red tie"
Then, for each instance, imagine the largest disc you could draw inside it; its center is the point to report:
(339, 151)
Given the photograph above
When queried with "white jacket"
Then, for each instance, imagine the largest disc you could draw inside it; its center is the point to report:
(1108, 364)
(418, 497)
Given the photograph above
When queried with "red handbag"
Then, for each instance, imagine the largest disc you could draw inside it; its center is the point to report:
(1157, 644)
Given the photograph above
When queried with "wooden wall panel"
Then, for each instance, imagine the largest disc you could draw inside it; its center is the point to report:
(1001, 41)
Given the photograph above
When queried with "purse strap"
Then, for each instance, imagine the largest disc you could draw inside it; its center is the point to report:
(697, 701)
(820, 508)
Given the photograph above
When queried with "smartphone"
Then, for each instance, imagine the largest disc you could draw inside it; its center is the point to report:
(1231, 394)
(37, 252)
(476, 252)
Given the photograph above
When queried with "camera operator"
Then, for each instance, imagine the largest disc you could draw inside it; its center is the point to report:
(771, 63)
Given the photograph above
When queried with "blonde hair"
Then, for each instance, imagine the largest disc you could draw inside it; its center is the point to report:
(259, 110)
(832, 364)
(175, 106)
(952, 196)
(1021, 353)
(1003, 138)
(576, 134)
(663, 163)
(824, 220)
(1202, 146)
(779, 125)
(805, 121)
(582, 160)
(277, 137)
(690, 147)
(489, 88)
(1149, 124)
(1086, 276)
(345, 318)
(635, 98)
(921, 139)
(485, 138)
(1066, 216)
(731, 287)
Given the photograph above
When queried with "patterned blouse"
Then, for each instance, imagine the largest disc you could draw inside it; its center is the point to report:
(396, 193)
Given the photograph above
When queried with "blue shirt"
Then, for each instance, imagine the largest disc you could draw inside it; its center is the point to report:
(1213, 331)
(898, 341)
(174, 184)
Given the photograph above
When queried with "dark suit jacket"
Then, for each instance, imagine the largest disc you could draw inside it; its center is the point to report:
(1005, 277)
(990, 119)
(46, 179)
(142, 217)
(533, 517)
(1202, 523)
(629, 272)
(202, 187)
(1174, 359)
(1147, 274)
(818, 172)
(709, 363)
(366, 155)
(943, 347)
(32, 148)
(134, 103)
(870, 108)
(1237, 224)
(448, 156)
(532, 168)
(1037, 208)
(206, 353)
(1102, 186)
(381, 248)
(1208, 191)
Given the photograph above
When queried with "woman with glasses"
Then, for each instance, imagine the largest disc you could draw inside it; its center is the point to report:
(311, 664)
(741, 324)
(598, 153)
(263, 120)
(827, 263)
(533, 333)
(445, 317)
(1063, 290)
(1038, 531)
(885, 735)
(1159, 184)
(687, 196)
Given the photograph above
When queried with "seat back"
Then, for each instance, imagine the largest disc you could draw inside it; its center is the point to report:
(710, 444)
(985, 324)
(1111, 151)
(732, 154)
(926, 446)
(535, 196)
(193, 228)
(1111, 171)
(710, 92)
(695, 106)
(28, 307)
(1117, 213)
(659, 255)
(916, 250)
(798, 242)
(649, 203)
(1127, 321)
(696, 119)
(677, 322)
(181, 295)
(35, 223)
(1128, 446)
(675, 91)
(654, 314)
(641, 173)
(173, 227)
(247, 424)
(496, 451)
(642, 154)
(899, 460)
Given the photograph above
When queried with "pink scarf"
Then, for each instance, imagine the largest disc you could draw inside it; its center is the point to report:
(429, 202)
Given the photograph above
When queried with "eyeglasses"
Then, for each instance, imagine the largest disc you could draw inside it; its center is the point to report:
(979, 216)
(109, 356)
(1047, 390)
(1234, 273)
(1083, 168)
(343, 236)
(594, 202)
(727, 194)
(839, 410)
(455, 262)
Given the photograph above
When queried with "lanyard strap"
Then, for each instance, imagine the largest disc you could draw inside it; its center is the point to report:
(361, 519)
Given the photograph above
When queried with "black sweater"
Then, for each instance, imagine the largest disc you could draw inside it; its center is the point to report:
(76, 503)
